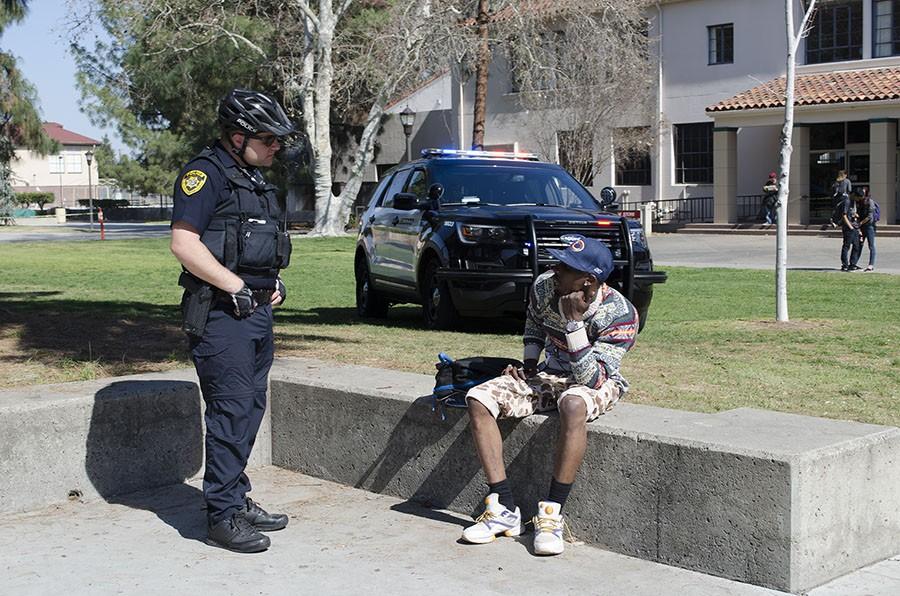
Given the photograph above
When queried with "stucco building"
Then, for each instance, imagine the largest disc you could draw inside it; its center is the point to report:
(717, 116)
(65, 173)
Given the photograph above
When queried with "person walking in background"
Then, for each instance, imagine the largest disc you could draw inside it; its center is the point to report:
(869, 212)
(770, 198)
(850, 249)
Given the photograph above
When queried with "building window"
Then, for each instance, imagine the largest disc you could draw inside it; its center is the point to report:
(886, 28)
(73, 163)
(694, 153)
(836, 32)
(57, 164)
(632, 155)
(827, 136)
(858, 132)
(721, 44)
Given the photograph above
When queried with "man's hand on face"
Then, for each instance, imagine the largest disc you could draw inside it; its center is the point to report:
(574, 305)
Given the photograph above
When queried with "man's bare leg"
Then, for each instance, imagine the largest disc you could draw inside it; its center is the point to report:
(572, 441)
(488, 442)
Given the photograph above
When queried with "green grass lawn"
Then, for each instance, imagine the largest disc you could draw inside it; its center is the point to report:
(80, 310)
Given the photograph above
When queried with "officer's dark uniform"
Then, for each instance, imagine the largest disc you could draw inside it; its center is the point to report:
(237, 215)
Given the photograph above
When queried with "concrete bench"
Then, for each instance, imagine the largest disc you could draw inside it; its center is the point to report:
(773, 499)
(104, 438)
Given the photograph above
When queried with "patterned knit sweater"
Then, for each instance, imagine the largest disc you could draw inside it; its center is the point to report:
(591, 355)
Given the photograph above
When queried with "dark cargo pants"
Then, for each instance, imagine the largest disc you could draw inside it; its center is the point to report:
(232, 360)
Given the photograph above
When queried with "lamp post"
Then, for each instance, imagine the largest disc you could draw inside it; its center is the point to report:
(89, 156)
(60, 170)
(407, 119)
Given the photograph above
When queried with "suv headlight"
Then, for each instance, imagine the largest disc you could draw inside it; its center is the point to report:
(637, 236)
(474, 233)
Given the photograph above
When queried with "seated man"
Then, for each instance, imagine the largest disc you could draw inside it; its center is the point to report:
(585, 327)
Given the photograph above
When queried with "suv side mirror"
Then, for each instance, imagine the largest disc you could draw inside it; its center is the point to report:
(405, 201)
(435, 191)
(607, 196)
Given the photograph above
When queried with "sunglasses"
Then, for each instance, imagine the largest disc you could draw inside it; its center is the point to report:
(268, 141)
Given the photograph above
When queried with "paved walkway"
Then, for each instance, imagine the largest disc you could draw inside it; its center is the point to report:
(758, 252)
(340, 541)
(50, 232)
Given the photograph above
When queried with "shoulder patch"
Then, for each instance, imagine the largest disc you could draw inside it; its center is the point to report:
(193, 181)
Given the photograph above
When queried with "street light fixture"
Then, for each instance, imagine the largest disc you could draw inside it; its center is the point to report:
(60, 167)
(407, 119)
(89, 156)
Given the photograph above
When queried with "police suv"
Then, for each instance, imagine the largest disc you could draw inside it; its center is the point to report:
(464, 234)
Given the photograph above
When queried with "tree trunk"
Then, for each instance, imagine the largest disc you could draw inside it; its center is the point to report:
(793, 42)
(479, 109)
(327, 204)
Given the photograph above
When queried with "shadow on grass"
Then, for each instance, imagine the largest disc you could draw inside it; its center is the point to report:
(123, 335)
(398, 318)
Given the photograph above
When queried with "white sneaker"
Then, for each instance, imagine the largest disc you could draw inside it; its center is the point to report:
(548, 529)
(495, 520)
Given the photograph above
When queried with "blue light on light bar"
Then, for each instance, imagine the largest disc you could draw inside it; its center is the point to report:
(481, 154)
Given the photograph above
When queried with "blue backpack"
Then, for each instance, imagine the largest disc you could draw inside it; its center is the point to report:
(454, 378)
(876, 211)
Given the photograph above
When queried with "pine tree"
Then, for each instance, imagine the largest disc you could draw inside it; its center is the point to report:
(20, 122)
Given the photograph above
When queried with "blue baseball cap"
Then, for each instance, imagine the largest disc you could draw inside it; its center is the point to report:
(587, 255)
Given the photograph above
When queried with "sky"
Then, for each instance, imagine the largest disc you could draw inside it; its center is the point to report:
(39, 44)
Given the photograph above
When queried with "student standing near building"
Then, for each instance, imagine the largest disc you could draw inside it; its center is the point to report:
(869, 212)
(850, 248)
(770, 198)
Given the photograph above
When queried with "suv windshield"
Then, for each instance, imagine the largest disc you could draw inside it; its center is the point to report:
(511, 184)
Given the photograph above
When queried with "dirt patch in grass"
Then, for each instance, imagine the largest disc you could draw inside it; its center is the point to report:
(773, 325)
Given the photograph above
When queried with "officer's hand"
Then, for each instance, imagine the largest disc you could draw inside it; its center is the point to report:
(244, 302)
(280, 293)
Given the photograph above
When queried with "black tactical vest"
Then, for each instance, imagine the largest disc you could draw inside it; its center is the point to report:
(244, 233)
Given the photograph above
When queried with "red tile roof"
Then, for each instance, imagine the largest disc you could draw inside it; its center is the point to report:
(848, 86)
(59, 134)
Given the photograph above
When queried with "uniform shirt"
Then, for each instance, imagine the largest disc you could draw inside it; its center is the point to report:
(611, 324)
(200, 186)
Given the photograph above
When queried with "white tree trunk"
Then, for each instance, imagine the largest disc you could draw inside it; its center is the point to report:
(793, 43)
(326, 202)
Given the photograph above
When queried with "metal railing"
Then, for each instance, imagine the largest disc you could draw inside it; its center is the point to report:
(750, 208)
(688, 210)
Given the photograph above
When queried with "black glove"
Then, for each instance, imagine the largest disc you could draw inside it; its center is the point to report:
(282, 289)
(244, 302)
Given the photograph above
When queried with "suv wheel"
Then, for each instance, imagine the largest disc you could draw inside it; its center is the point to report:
(436, 303)
(369, 303)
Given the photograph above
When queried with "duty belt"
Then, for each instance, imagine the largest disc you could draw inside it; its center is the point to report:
(262, 298)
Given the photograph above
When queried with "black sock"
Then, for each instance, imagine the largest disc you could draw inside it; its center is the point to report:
(504, 492)
(559, 492)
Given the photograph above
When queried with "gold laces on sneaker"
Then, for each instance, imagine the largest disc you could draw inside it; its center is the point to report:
(486, 516)
(548, 524)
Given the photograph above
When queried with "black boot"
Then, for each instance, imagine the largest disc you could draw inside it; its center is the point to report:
(238, 535)
(261, 519)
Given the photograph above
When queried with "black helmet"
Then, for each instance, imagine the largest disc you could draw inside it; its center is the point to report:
(252, 112)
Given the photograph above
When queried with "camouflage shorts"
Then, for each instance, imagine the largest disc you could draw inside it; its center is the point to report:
(506, 397)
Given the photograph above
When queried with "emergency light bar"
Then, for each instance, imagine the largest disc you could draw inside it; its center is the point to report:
(468, 153)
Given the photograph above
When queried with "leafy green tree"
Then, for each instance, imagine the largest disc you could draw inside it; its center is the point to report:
(20, 122)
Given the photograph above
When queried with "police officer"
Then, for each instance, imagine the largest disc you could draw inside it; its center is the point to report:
(226, 232)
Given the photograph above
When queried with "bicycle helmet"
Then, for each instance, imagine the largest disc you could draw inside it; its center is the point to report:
(252, 112)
